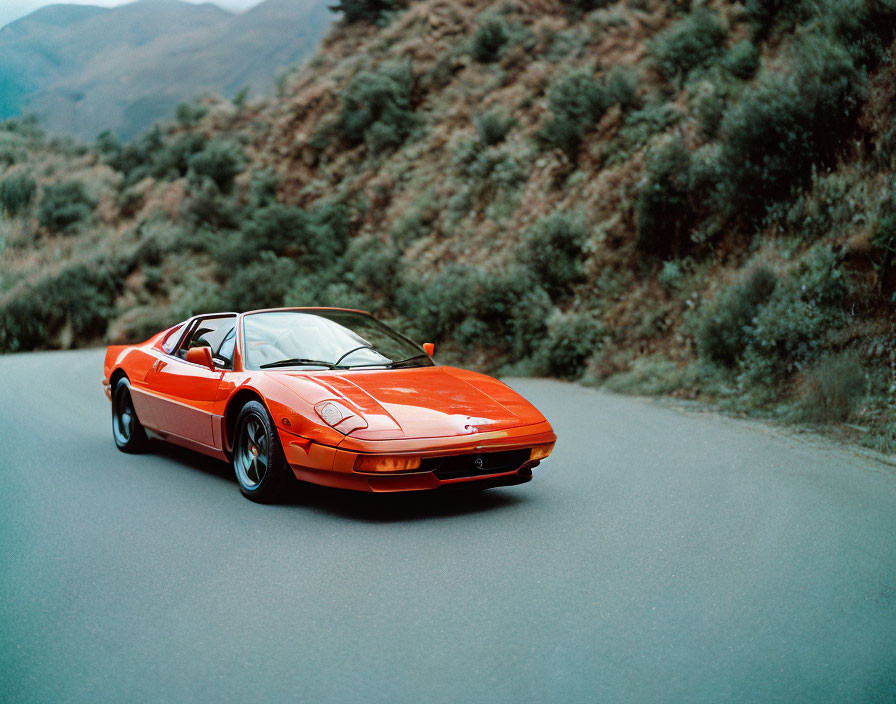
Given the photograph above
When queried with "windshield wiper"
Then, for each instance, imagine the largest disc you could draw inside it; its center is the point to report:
(409, 359)
(297, 362)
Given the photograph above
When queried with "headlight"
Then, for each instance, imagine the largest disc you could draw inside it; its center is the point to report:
(541, 451)
(386, 463)
(339, 417)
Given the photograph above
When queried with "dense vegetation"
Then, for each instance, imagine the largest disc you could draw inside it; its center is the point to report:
(666, 197)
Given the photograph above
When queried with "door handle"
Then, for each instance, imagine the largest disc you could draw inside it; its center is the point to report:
(159, 364)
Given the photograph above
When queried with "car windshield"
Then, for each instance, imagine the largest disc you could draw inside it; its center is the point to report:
(327, 339)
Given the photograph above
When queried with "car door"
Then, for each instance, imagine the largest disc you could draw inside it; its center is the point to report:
(185, 393)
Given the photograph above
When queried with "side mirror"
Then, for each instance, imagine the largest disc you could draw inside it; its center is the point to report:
(201, 356)
(429, 348)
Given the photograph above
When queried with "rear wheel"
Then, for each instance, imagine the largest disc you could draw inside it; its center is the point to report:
(127, 430)
(258, 461)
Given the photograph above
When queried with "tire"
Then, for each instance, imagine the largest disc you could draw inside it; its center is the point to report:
(127, 431)
(258, 462)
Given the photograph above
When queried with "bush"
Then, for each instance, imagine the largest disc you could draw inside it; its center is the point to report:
(884, 254)
(64, 204)
(863, 28)
(552, 251)
(774, 136)
(742, 60)
(489, 39)
(576, 101)
(663, 211)
(79, 299)
(762, 13)
(571, 339)
(694, 41)
(621, 87)
(364, 10)
(509, 308)
(769, 330)
(220, 160)
(16, 193)
(262, 283)
(492, 127)
(722, 334)
(372, 266)
(638, 127)
(189, 114)
(834, 387)
(377, 107)
(316, 237)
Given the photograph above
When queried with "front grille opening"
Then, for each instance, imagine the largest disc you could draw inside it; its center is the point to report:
(460, 466)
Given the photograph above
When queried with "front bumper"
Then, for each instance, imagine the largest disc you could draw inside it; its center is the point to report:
(334, 466)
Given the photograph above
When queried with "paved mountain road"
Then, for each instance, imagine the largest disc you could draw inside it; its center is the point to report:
(656, 557)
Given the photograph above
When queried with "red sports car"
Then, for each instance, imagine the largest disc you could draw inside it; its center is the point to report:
(328, 395)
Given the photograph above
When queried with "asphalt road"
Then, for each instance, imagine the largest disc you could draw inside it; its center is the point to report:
(658, 556)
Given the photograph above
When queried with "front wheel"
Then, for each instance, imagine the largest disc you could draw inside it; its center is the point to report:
(258, 461)
(127, 430)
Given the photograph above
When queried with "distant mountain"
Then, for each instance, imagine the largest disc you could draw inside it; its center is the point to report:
(83, 69)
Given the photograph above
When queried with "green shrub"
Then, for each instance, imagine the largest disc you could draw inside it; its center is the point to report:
(663, 212)
(638, 127)
(694, 41)
(774, 136)
(492, 176)
(742, 60)
(490, 38)
(576, 101)
(834, 388)
(372, 266)
(263, 185)
(206, 207)
(220, 160)
(261, 283)
(16, 193)
(415, 222)
(571, 339)
(763, 13)
(189, 114)
(552, 249)
(172, 157)
(79, 299)
(64, 204)
(377, 107)
(493, 126)
(770, 330)
(884, 255)
(364, 10)
(510, 304)
(723, 332)
(864, 28)
(621, 87)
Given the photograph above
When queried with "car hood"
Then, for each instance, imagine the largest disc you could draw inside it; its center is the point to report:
(421, 402)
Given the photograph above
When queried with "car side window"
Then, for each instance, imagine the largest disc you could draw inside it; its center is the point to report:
(171, 341)
(215, 334)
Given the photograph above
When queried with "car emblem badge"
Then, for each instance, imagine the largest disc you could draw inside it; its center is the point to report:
(478, 462)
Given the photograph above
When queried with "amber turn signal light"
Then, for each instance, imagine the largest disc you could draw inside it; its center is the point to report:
(541, 451)
(385, 463)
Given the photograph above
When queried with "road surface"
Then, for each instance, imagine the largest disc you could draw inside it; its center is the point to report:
(658, 556)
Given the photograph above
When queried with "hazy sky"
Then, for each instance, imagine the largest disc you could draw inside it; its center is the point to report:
(13, 9)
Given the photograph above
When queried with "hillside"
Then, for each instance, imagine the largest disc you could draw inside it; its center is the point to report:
(82, 69)
(664, 198)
